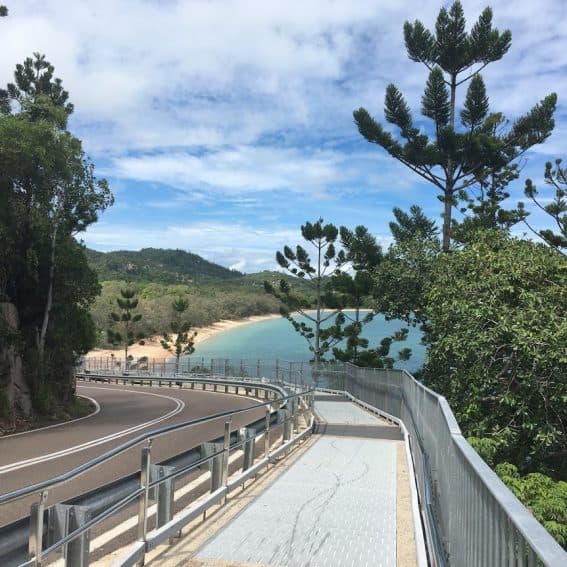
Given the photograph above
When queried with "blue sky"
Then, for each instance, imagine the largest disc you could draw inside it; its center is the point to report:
(222, 126)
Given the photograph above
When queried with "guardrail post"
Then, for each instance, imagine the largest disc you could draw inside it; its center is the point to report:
(214, 464)
(226, 451)
(63, 519)
(163, 493)
(248, 436)
(286, 425)
(144, 496)
(267, 432)
(35, 545)
(78, 548)
(295, 414)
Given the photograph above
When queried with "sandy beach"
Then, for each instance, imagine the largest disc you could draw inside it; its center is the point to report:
(153, 349)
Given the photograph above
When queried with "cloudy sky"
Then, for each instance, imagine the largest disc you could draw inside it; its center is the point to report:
(223, 125)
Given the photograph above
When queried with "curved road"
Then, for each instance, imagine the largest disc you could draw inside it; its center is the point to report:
(125, 412)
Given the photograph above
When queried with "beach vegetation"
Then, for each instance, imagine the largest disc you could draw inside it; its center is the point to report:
(320, 321)
(124, 329)
(181, 341)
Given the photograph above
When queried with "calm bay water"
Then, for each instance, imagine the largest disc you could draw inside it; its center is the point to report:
(276, 339)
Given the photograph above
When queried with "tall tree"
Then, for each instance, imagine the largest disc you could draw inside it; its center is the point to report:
(127, 320)
(48, 194)
(556, 208)
(454, 160)
(184, 341)
(313, 314)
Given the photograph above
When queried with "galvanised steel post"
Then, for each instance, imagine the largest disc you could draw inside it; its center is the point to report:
(226, 449)
(144, 496)
(35, 545)
(267, 433)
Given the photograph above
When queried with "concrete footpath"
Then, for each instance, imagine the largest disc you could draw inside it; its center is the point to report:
(345, 500)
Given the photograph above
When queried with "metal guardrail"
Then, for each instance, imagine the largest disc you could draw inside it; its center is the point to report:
(293, 372)
(471, 517)
(71, 531)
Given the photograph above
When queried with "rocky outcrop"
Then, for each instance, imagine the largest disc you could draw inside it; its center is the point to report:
(13, 387)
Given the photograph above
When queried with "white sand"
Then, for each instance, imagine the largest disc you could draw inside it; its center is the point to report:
(153, 349)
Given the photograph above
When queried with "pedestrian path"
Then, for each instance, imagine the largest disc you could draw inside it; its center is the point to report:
(335, 506)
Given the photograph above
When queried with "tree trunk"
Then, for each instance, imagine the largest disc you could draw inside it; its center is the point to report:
(447, 222)
(12, 381)
(450, 173)
(48, 302)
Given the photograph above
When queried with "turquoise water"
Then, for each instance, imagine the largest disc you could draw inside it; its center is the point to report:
(276, 339)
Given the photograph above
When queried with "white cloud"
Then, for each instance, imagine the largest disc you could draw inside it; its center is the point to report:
(236, 170)
(236, 99)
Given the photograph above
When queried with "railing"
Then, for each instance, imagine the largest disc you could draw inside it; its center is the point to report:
(68, 527)
(471, 517)
(279, 370)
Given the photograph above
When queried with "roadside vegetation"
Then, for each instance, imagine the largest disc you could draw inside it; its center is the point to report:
(492, 307)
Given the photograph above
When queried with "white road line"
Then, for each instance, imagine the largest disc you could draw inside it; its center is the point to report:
(180, 404)
(92, 414)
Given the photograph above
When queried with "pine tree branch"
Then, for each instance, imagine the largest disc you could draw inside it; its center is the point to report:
(472, 74)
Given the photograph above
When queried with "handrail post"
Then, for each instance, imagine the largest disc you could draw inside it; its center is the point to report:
(226, 451)
(144, 497)
(267, 433)
(35, 544)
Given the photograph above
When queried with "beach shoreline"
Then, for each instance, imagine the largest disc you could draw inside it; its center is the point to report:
(153, 349)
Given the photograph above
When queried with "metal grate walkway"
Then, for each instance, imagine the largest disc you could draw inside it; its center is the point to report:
(335, 506)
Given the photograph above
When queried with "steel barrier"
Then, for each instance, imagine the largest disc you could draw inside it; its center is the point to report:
(65, 529)
(471, 517)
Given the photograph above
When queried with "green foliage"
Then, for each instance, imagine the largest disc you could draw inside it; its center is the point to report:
(48, 194)
(320, 338)
(497, 332)
(339, 280)
(157, 266)
(208, 303)
(126, 320)
(402, 279)
(184, 340)
(556, 208)
(414, 225)
(544, 497)
(455, 160)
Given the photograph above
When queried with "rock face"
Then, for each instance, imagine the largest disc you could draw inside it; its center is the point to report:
(13, 387)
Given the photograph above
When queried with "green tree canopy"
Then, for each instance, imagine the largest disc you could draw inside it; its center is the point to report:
(556, 177)
(455, 159)
(497, 331)
(48, 194)
(183, 340)
(124, 328)
(310, 324)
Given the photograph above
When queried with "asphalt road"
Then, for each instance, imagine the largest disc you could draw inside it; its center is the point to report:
(125, 412)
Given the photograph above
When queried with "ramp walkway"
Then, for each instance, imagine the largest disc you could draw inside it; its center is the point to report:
(344, 501)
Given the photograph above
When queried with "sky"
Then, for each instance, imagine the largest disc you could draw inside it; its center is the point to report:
(224, 125)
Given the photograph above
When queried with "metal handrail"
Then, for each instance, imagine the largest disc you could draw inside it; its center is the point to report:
(55, 481)
(447, 459)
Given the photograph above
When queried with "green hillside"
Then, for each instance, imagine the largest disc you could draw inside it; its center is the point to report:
(157, 266)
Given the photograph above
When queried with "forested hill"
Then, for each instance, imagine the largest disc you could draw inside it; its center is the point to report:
(157, 265)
